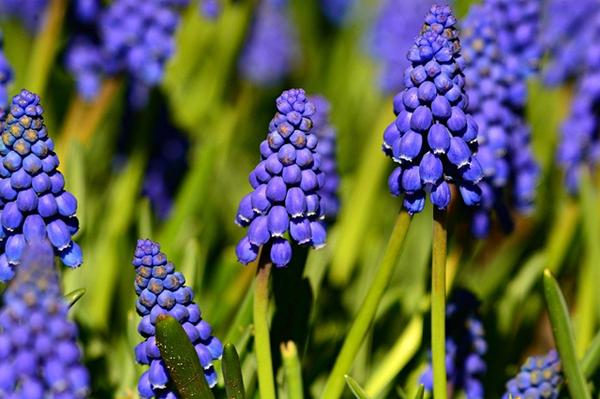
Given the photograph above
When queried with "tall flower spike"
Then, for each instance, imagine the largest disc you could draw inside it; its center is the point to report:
(465, 347)
(539, 377)
(39, 356)
(433, 139)
(162, 290)
(35, 204)
(286, 184)
(6, 77)
(326, 148)
(271, 47)
(395, 27)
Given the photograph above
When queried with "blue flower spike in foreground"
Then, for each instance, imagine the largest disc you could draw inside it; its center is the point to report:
(433, 139)
(35, 204)
(162, 290)
(539, 377)
(39, 356)
(286, 184)
(465, 347)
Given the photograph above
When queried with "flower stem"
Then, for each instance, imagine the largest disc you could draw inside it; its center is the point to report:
(262, 341)
(44, 47)
(438, 304)
(366, 314)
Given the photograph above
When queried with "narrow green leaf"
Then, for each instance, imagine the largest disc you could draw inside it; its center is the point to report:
(181, 359)
(420, 392)
(232, 372)
(74, 296)
(591, 360)
(400, 392)
(563, 336)
(293, 370)
(356, 389)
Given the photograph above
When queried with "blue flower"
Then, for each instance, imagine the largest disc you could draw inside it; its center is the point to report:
(286, 184)
(35, 204)
(395, 27)
(29, 12)
(539, 377)
(433, 138)
(211, 9)
(326, 148)
(271, 47)
(85, 62)
(6, 77)
(336, 10)
(162, 290)
(465, 347)
(39, 356)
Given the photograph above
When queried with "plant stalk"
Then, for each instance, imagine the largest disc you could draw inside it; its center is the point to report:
(438, 304)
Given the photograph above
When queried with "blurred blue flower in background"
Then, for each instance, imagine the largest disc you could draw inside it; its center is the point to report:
(271, 46)
(286, 184)
(6, 77)
(465, 347)
(84, 60)
(433, 139)
(210, 9)
(337, 11)
(39, 356)
(162, 290)
(29, 12)
(35, 204)
(539, 377)
(394, 30)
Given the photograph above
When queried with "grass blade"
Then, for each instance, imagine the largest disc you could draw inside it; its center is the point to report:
(420, 392)
(293, 370)
(563, 335)
(356, 389)
(72, 297)
(591, 360)
(232, 373)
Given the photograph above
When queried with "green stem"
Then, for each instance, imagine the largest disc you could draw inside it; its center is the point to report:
(262, 341)
(563, 336)
(438, 304)
(45, 45)
(335, 383)
(293, 370)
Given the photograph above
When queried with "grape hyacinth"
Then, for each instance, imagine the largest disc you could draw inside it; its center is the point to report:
(336, 11)
(326, 148)
(39, 356)
(86, 11)
(271, 47)
(138, 37)
(6, 77)
(286, 184)
(539, 377)
(35, 204)
(210, 9)
(395, 27)
(433, 139)
(162, 290)
(85, 62)
(29, 12)
(465, 347)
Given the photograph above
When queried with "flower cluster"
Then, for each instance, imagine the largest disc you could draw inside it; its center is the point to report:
(396, 25)
(85, 62)
(86, 11)
(39, 356)
(566, 36)
(6, 76)
(465, 347)
(325, 132)
(518, 26)
(286, 184)
(271, 47)
(162, 290)
(539, 377)
(433, 139)
(504, 151)
(34, 202)
(29, 12)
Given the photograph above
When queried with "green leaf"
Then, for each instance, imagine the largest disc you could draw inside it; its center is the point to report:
(232, 372)
(72, 297)
(420, 392)
(181, 359)
(591, 360)
(356, 389)
(563, 335)
(293, 370)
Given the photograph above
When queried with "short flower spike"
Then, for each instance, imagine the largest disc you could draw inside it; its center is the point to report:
(286, 184)
(539, 377)
(34, 202)
(162, 290)
(465, 347)
(433, 138)
(39, 356)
